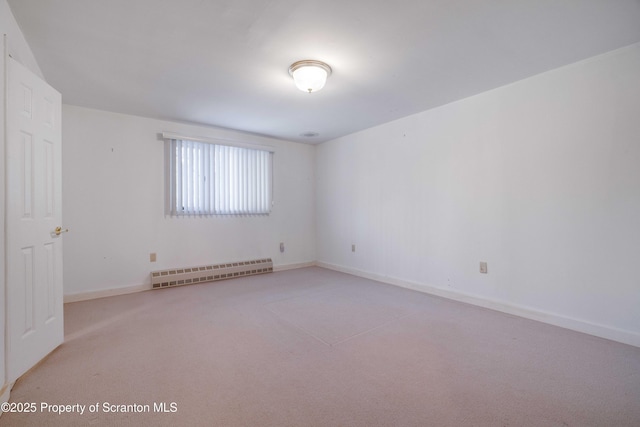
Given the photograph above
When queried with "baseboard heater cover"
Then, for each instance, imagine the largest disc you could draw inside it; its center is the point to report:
(209, 273)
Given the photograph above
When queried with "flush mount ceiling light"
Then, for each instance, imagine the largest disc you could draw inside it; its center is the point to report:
(309, 75)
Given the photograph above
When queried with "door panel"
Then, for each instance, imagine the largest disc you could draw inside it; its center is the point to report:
(33, 210)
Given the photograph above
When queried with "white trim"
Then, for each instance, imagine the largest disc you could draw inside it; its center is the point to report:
(4, 98)
(218, 141)
(602, 331)
(84, 296)
(285, 267)
(5, 391)
(103, 293)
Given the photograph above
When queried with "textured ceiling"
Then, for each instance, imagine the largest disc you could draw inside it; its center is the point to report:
(224, 63)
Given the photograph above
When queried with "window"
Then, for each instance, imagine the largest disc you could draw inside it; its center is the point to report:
(211, 179)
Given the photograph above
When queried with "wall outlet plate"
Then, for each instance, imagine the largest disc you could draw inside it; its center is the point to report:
(152, 257)
(483, 267)
(282, 247)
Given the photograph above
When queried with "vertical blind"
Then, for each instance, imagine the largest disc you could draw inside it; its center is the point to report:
(211, 179)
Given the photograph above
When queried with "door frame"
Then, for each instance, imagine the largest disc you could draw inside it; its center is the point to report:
(5, 388)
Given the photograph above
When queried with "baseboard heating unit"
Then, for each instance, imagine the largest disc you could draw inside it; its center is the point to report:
(209, 273)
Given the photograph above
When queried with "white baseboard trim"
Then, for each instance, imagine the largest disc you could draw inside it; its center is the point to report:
(602, 331)
(5, 391)
(84, 296)
(285, 267)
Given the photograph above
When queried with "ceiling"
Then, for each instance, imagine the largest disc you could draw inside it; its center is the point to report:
(224, 62)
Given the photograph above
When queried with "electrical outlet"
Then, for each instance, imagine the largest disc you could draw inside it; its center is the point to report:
(483, 267)
(282, 247)
(353, 248)
(152, 257)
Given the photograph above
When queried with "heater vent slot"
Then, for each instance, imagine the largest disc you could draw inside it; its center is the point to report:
(209, 273)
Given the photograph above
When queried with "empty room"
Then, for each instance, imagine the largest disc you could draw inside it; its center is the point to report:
(306, 213)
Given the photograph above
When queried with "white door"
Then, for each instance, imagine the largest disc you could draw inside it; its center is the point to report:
(34, 320)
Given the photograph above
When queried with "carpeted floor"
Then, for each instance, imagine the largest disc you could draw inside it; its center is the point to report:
(313, 347)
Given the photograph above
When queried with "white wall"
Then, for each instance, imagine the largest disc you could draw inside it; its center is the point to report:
(18, 48)
(540, 178)
(113, 203)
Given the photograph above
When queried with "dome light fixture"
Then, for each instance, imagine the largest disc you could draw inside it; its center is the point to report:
(309, 75)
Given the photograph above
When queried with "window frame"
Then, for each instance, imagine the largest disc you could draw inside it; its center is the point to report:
(225, 146)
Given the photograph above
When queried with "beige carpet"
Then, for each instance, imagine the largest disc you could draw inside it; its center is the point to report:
(313, 347)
